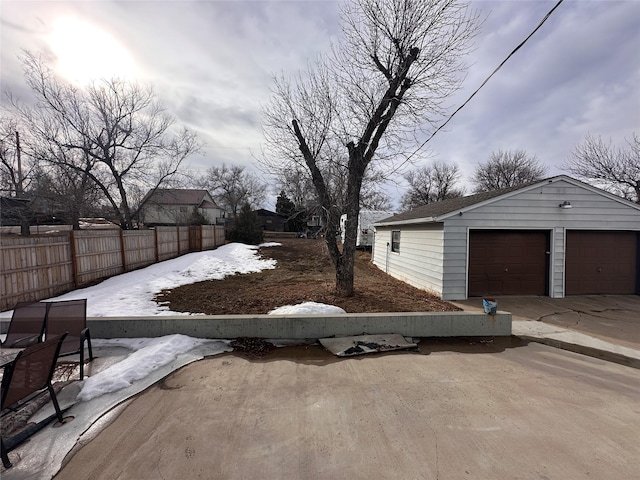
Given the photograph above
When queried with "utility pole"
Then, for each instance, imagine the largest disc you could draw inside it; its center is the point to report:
(19, 191)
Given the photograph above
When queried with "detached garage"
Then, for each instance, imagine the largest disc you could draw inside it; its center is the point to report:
(555, 237)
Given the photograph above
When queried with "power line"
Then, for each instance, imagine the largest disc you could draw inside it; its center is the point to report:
(546, 17)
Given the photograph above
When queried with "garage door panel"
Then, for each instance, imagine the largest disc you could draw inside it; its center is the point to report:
(600, 262)
(503, 262)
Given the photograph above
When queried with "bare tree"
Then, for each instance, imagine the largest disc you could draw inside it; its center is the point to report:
(65, 193)
(365, 102)
(112, 132)
(614, 169)
(507, 169)
(431, 183)
(231, 187)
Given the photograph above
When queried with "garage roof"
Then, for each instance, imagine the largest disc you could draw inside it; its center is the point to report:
(439, 211)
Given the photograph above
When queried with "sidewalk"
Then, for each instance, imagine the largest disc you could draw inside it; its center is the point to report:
(577, 342)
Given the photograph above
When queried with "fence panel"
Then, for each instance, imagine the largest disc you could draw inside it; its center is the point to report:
(98, 255)
(183, 233)
(220, 235)
(139, 248)
(34, 268)
(208, 237)
(195, 238)
(167, 242)
(43, 266)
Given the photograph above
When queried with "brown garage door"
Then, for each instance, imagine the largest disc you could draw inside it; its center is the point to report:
(601, 262)
(508, 262)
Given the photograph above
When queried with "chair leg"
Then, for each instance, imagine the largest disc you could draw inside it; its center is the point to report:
(88, 336)
(54, 399)
(5, 456)
(81, 361)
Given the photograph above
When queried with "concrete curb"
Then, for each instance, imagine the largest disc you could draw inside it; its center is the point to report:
(587, 350)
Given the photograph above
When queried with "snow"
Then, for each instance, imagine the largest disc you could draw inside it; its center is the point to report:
(149, 355)
(124, 367)
(132, 294)
(306, 308)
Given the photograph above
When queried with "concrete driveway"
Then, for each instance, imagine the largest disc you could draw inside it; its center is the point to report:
(615, 318)
(476, 408)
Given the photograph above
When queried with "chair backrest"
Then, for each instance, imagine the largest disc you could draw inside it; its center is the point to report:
(27, 324)
(67, 316)
(31, 371)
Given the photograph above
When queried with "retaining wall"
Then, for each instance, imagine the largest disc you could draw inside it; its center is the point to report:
(428, 324)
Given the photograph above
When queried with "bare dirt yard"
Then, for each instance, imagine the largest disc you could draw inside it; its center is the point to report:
(304, 273)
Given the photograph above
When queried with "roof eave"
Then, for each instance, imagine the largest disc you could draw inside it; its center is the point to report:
(406, 222)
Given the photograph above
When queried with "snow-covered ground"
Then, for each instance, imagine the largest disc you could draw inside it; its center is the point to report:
(141, 361)
(132, 294)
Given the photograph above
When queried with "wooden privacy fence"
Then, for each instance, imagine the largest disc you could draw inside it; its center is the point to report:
(42, 266)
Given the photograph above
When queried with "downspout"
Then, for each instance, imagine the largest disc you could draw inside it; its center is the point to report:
(386, 261)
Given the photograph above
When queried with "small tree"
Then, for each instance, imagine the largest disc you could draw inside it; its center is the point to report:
(246, 228)
(430, 184)
(614, 169)
(507, 169)
(197, 218)
(295, 220)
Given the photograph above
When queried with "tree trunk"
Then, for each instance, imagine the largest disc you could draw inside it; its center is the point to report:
(345, 274)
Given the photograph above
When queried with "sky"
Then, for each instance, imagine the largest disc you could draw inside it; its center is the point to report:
(212, 63)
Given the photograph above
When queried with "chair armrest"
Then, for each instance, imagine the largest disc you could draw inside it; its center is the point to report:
(25, 341)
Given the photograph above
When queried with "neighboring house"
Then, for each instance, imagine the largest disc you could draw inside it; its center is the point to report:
(364, 232)
(554, 237)
(179, 207)
(27, 211)
(271, 221)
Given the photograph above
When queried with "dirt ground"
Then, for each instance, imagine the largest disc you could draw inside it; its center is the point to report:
(304, 273)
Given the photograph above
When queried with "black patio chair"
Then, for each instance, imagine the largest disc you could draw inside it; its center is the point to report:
(70, 316)
(30, 373)
(27, 325)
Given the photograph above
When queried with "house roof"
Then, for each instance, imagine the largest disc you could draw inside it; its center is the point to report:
(438, 211)
(180, 196)
(262, 212)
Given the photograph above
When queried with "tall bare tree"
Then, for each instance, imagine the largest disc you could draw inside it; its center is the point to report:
(364, 102)
(231, 187)
(431, 183)
(613, 168)
(113, 132)
(507, 168)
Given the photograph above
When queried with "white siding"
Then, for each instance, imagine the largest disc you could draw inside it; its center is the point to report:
(419, 262)
(535, 209)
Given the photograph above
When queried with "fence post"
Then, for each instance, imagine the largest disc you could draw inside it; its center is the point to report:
(74, 257)
(156, 244)
(123, 254)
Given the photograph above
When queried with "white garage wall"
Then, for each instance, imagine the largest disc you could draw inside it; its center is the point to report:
(419, 262)
(443, 251)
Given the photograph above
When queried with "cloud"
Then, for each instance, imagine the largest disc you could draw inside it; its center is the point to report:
(212, 63)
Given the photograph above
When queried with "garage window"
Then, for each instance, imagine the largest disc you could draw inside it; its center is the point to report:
(395, 241)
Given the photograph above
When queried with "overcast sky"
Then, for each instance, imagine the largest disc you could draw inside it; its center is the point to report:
(212, 63)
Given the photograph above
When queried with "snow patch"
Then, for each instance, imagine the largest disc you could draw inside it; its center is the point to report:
(307, 308)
